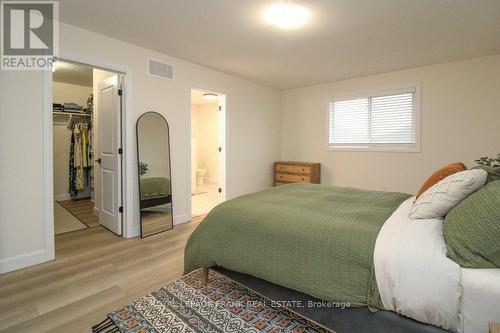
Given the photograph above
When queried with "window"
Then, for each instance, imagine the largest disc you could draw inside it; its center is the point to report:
(384, 122)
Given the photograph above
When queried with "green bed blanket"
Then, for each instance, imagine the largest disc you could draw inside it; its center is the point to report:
(312, 238)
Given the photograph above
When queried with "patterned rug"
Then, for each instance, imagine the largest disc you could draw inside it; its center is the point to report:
(221, 305)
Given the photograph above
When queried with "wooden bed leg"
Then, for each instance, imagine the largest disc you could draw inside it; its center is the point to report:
(204, 275)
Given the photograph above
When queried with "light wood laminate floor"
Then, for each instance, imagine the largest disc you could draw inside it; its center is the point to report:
(95, 272)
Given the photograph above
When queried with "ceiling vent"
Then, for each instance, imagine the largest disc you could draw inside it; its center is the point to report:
(160, 69)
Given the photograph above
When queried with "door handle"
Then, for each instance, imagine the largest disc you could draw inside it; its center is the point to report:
(98, 160)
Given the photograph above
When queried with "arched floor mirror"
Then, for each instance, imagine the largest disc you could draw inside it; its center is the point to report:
(154, 173)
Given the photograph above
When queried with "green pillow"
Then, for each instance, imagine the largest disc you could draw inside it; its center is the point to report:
(493, 172)
(472, 229)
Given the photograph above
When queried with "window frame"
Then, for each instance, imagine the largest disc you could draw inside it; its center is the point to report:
(390, 147)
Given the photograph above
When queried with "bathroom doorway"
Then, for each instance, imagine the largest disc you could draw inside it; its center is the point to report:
(207, 150)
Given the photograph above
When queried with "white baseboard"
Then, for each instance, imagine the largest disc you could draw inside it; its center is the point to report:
(96, 211)
(136, 232)
(182, 218)
(62, 197)
(23, 260)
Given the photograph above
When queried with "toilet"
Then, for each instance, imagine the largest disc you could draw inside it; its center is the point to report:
(200, 176)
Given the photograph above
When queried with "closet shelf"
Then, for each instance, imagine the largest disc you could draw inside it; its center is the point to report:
(72, 113)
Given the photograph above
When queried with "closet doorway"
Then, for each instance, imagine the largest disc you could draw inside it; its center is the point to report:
(87, 145)
(208, 135)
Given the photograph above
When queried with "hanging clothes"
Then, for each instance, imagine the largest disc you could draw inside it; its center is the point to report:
(80, 152)
(72, 171)
(80, 179)
(80, 172)
(85, 139)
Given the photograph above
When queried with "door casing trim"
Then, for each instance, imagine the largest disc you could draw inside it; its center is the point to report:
(222, 130)
(127, 157)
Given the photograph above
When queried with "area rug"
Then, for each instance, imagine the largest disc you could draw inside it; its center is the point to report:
(188, 305)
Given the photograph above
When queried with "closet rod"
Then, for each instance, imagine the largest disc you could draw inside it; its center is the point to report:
(72, 113)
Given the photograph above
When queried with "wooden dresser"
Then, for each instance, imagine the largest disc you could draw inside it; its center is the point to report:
(296, 172)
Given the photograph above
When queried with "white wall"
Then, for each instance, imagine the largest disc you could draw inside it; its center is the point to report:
(252, 112)
(62, 140)
(64, 93)
(460, 122)
(70, 93)
(153, 145)
(205, 129)
(22, 188)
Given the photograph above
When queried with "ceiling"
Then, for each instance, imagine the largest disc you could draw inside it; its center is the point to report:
(67, 72)
(343, 38)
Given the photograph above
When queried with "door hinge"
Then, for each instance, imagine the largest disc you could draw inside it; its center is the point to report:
(220, 108)
(120, 151)
(120, 92)
(220, 149)
(120, 209)
(220, 190)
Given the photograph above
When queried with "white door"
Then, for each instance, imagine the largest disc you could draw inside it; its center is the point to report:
(110, 160)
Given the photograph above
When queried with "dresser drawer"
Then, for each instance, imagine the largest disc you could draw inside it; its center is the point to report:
(296, 172)
(285, 177)
(290, 168)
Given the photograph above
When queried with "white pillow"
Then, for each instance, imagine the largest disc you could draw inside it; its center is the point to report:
(439, 199)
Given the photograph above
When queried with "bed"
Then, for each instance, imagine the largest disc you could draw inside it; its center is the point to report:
(340, 244)
(155, 191)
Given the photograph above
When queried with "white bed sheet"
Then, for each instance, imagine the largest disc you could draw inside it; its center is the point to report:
(417, 280)
(414, 276)
(480, 302)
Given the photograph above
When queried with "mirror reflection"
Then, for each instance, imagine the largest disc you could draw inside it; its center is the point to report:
(153, 150)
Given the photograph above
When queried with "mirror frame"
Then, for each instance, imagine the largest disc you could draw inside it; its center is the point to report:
(139, 177)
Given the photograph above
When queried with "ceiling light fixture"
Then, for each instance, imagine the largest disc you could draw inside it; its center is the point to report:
(210, 97)
(286, 16)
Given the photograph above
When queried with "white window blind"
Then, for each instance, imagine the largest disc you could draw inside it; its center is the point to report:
(386, 120)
